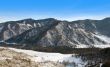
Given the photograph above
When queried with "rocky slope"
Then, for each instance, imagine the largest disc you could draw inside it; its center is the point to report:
(52, 32)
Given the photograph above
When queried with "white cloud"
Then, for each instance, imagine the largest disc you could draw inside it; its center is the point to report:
(68, 18)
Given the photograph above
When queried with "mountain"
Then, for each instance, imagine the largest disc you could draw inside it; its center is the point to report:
(53, 32)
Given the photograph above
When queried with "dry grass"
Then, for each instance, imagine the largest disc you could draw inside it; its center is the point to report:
(10, 58)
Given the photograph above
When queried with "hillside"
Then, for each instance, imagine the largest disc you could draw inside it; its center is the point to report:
(30, 33)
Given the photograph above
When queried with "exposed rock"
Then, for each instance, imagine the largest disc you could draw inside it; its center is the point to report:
(52, 32)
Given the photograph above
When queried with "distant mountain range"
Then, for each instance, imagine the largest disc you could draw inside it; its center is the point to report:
(53, 32)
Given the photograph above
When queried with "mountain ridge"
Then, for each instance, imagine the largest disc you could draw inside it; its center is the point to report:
(53, 32)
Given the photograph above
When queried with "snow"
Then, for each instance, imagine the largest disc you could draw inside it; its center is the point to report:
(101, 64)
(42, 56)
(94, 25)
(54, 57)
(35, 25)
(49, 35)
(39, 24)
(82, 46)
(24, 26)
(9, 43)
(29, 25)
(69, 26)
(76, 25)
(96, 46)
(70, 42)
(2, 41)
(104, 38)
(21, 24)
(9, 27)
(102, 46)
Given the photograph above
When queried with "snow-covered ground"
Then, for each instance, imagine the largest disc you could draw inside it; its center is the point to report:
(96, 46)
(82, 46)
(53, 57)
(43, 56)
(102, 46)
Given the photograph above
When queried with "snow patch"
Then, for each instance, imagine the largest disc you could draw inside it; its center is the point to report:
(39, 24)
(35, 25)
(2, 41)
(10, 43)
(82, 46)
(69, 26)
(101, 64)
(104, 38)
(9, 27)
(95, 46)
(49, 35)
(29, 25)
(102, 46)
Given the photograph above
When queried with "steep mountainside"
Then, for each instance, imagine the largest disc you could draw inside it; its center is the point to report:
(52, 32)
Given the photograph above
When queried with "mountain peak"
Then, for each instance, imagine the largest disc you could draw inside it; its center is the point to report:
(108, 18)
(48, 19)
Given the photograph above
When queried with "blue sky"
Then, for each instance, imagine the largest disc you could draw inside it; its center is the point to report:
(59, 9)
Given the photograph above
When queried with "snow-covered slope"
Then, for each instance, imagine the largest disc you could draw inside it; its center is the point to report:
(12, 58)
(53, 32)
(103, 37)
(19, 57)
(53, 57)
